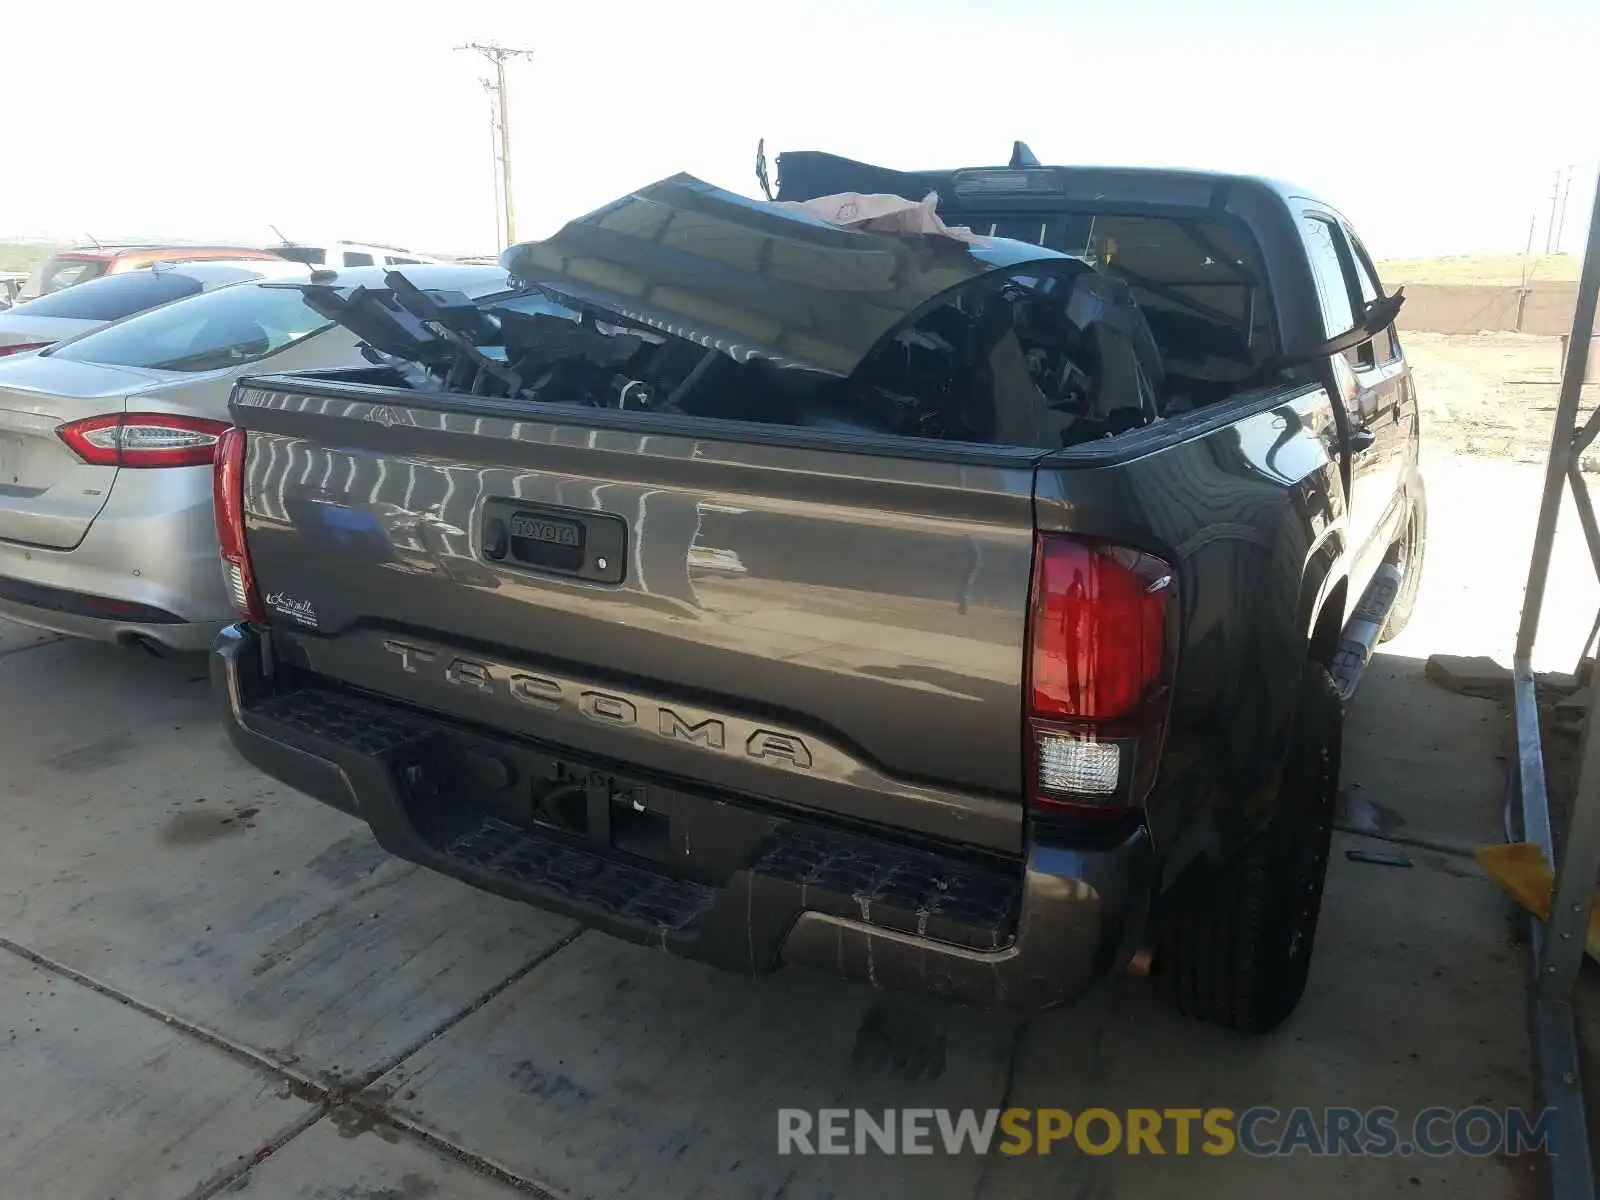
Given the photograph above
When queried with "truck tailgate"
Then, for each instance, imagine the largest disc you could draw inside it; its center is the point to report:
(835, 631)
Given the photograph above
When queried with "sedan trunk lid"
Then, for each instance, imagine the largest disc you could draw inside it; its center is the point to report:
(48, 495)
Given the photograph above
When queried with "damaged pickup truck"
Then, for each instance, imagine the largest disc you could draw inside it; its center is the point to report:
(948, 580)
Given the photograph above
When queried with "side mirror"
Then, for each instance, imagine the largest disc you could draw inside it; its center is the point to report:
(1379, 316)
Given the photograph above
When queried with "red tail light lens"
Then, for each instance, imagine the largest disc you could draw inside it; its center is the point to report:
(227, 495)
(24, 348)
(1101, 635)
(143, 440)
(1099, 628)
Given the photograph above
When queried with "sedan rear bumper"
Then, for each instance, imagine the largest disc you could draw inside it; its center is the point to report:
(787, 890)
(147, 568)
(187, 638)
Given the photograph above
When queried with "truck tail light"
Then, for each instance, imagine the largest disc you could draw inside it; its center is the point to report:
(227, 495)
(24, 348)
(1101, 652)
(143, 440)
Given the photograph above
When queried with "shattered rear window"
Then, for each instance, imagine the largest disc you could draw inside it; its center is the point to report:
(1182, 271)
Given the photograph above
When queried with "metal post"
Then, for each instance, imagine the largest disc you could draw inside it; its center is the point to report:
(1576, 872)
(1575, 875)
(1569, 906)
(1561, 436)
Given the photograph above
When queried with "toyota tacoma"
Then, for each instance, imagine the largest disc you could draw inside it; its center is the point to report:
(964, 604)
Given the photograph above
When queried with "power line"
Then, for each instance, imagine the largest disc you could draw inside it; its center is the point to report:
(497, 56)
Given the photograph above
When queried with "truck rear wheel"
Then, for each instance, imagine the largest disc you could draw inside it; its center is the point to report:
(1235, 948)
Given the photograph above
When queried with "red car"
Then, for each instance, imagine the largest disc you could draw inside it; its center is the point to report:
(84, 263)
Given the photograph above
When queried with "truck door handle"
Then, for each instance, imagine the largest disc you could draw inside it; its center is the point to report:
(1362, 440)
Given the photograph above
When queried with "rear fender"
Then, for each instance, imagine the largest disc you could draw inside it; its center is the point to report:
(1289, 622)
(1251, 514)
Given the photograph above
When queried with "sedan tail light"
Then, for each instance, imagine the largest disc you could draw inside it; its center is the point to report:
(143, 440)
(24, 348)
(227, 495)
(1102, 636)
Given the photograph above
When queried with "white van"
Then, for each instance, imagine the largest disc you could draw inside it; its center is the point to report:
(350, 254)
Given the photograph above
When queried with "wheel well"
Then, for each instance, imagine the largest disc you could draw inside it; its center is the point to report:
(1402, 530)
(1330, 624)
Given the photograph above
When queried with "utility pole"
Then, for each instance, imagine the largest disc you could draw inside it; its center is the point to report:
(494, 162)
(1527, 262)
(497, 56)
(1561, 218)
(1550, 230)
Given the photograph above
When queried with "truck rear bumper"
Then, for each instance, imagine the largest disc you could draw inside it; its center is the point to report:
(853, 903)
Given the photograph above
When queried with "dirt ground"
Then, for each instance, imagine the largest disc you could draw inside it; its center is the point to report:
(1491, 394)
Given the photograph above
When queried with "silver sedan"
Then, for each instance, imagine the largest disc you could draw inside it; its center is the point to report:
(106, 443)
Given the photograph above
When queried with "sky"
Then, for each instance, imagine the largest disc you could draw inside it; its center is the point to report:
(1436, 127)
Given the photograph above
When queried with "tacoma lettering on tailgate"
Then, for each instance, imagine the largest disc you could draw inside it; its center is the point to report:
(632, 712)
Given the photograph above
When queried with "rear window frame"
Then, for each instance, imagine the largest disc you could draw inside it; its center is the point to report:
(67, 348)
(35, 286)
(112, 284)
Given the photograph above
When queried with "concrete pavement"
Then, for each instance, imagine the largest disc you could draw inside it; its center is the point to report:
(212, 986)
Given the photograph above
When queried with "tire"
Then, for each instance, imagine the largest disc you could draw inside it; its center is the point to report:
(1235, 948)
(1406, 553)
